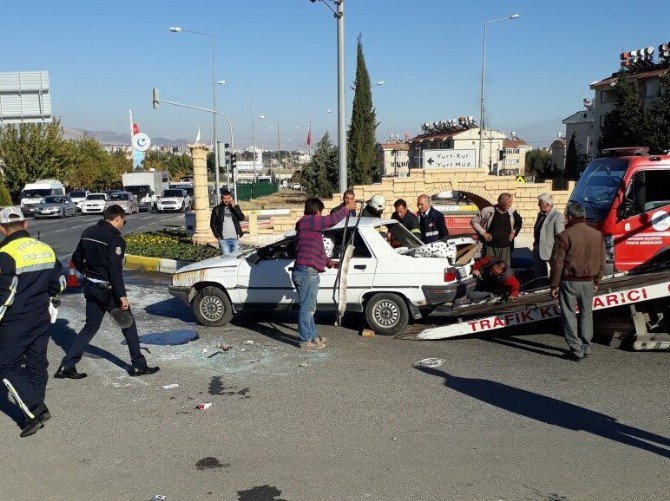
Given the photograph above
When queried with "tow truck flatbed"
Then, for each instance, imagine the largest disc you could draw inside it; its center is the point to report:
(619, 290)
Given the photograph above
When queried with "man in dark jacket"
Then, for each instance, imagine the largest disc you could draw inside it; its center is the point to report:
(577, 265)
(405, 217)
(225, 224)
(99, 257)
(431, 221)
(30, 275)
(348, 197)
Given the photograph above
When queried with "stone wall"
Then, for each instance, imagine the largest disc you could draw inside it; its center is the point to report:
(481, 187)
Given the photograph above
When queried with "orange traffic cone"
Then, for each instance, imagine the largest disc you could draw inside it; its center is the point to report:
(72, 276)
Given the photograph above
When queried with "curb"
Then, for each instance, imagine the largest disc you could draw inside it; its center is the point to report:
(132, 262)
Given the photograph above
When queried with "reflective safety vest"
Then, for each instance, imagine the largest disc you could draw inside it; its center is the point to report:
(30, 274)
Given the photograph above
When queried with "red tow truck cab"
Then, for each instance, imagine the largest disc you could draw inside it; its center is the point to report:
(626, 196)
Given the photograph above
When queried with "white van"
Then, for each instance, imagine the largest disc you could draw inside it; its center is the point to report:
(33, 193)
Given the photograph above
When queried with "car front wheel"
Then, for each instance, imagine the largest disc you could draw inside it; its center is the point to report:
(212, 307)
(387, 314)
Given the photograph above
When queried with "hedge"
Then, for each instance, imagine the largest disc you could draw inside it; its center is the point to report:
(169, 245)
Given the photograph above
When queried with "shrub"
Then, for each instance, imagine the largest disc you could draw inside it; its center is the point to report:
(5, 198)
(169, 245)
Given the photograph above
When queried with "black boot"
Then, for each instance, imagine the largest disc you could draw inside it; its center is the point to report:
(69, 373)
(34, 424)
(142, 371)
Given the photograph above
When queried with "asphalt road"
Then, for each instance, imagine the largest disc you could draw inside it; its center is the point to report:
(63, 234)
(502, 418)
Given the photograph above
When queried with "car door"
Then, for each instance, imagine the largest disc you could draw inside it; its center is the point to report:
(362, 268)
(264, 279)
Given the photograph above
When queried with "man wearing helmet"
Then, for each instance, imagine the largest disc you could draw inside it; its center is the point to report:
(374, 207)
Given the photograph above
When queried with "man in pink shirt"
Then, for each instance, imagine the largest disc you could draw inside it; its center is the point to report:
(311, 260)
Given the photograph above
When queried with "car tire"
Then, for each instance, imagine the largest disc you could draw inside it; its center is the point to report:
(212, 307)
(387, 314)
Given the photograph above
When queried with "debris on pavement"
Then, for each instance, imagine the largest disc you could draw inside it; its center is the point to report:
(249, 342)
(214, 354)
(204, 406)
(223, 347)
(303, 365)
(171, 386)
(158, 497)
(430, 363)
(367, 333)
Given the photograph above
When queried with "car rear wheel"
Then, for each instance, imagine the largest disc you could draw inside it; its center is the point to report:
(387, 314)
(212, 307)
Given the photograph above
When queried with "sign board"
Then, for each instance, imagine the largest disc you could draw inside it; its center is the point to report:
(449, 159)
(25, 97)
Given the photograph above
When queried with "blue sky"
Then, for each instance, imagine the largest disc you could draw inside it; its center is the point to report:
(105, 57)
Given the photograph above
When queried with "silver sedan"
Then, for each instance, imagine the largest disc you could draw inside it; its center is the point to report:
(55, 206)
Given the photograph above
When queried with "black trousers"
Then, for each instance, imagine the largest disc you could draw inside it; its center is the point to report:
(98, 302)
(25, 341)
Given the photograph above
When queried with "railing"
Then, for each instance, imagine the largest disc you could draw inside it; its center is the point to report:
(256, 190)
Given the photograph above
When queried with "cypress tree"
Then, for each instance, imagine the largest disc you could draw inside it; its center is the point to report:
(626, 124)
(319, 176)
(571, 160)
(658, 136)
(361, 135)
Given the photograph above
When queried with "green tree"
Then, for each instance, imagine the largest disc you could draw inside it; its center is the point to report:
(627, 123)
(658, 118)
(95, 168)
(361, 136)
(572, 160)
(179, 165)
(319, 176)
(5, 197)
(34, 151)
(538, 163)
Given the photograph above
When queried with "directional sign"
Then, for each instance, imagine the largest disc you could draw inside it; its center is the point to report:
(449, 159)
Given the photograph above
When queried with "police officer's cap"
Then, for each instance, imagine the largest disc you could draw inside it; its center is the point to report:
(11, 215)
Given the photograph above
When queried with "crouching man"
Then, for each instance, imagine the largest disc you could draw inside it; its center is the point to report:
(495, 278)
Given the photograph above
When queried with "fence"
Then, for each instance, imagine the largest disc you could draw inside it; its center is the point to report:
(256, 190)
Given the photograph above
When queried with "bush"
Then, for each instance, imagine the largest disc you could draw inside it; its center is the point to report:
(168, 245)
(5, 198)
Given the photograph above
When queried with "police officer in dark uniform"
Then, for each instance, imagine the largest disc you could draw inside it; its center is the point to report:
(30, 275)
(99, 256)
(431, 221)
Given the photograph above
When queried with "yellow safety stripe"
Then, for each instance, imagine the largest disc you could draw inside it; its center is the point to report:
(10, 298)
(30, 255)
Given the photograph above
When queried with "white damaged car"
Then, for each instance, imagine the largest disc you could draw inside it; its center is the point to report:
(389, 282)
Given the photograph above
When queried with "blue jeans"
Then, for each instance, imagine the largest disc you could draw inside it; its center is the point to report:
(229, 245)
(306, 280)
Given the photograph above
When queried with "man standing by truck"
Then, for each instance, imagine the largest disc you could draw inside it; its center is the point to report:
(497, 227)
(577, 265)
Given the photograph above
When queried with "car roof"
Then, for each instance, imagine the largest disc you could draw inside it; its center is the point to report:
(365, 222)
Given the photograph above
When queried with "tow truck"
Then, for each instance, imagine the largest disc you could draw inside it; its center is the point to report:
(626, 197)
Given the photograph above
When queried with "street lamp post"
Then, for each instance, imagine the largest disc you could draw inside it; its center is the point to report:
(481, 101)
(338, 12)
(251, 105)
(179, 29)
(264, 117)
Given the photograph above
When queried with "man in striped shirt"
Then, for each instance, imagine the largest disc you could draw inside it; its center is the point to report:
(311, 260)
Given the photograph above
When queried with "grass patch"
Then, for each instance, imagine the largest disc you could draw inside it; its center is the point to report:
(168, 244)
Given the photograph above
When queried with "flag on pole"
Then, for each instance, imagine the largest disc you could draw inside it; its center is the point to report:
(309, 136)
(197, 138)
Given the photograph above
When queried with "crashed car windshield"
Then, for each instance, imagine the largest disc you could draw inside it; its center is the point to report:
(402, 235)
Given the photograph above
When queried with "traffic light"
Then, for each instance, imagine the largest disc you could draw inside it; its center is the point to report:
(233, 161)
(156, 99)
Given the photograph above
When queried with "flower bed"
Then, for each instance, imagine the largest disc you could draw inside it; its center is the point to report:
(168, 244)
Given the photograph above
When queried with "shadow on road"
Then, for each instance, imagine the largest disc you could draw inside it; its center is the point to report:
(171, 308)
(554, 412)
(10, 408)
(525, 344)
(63, 336)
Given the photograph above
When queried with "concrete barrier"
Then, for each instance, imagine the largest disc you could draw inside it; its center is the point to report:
(132, 262)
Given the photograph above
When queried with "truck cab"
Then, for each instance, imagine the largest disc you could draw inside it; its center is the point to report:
(626, 195)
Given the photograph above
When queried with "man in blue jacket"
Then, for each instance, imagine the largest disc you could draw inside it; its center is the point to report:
(431, 221)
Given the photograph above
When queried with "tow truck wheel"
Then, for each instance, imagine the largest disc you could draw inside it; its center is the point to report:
(387, 314)
(212, 307)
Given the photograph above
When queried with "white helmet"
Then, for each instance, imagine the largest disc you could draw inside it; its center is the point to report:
(377, 202)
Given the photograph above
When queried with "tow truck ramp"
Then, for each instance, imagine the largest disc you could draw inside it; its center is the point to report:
(647, 296)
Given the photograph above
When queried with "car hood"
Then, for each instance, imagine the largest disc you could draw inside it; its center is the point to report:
(118, 202)
(44, 205)
(94, 202)
(227, 261)
(171, 199)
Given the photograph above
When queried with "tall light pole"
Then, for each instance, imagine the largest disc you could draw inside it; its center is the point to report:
(215, 139)
(251, 105)
(481, 95)
(338, 12)
(264, 117)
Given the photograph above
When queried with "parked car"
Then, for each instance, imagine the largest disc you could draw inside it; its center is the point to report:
(174, 200)
(94, 203)
(388, 283)
(126, 200)
(55, 206)
(78, 197)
